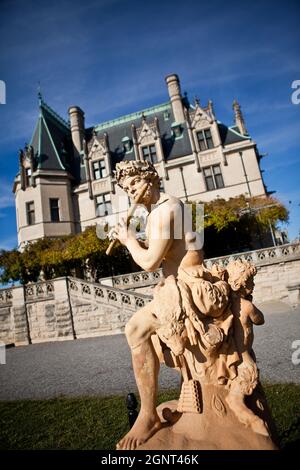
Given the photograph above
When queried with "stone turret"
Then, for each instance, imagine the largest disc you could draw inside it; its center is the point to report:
(77, 128)
(238, 118)
(173, 84)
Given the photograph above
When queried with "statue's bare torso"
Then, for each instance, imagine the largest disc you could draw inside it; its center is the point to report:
(168, 218)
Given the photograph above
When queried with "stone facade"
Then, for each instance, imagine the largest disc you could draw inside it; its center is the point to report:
(68, 308)
(66, 182)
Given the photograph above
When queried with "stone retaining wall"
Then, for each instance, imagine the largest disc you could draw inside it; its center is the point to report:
(64, 308)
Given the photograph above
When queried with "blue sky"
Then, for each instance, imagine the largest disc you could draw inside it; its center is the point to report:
(111, 56)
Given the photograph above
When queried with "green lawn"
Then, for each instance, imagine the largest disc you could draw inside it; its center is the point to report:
(98, 423)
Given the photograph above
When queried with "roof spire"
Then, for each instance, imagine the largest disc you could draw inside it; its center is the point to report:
(197, 101)
(211, 108)
(238, 118)
(40, 98)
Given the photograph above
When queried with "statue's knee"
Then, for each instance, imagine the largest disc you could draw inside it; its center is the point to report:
(130, 329)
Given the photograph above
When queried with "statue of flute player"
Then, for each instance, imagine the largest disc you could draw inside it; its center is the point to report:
(170, 243)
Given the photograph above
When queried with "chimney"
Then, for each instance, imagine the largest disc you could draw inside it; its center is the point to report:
(238, 118)
(77, 128)
(173, 85)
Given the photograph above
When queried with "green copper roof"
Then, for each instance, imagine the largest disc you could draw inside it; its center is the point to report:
(51, 139)
(52, 144)
(236, 131)
(133, 116)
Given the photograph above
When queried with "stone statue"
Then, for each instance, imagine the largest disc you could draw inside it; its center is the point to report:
(245, 315)
(199, 322)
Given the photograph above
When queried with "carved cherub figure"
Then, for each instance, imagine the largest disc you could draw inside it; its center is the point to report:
(246, 314)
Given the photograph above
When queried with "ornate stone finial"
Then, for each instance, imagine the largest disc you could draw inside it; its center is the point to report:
(21, 168)
(133, 130)
(156, 123)
(28, 152)
(238, 117)
(211, 108)
(40, 98)
(106, 140)
(85, 148)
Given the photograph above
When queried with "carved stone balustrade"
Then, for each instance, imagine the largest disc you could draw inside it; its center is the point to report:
(39, 291)
(260, 257)
(6, 297)
(108, 295)
(134, 280)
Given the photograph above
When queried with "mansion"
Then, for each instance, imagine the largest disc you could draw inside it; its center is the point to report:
(66, 181)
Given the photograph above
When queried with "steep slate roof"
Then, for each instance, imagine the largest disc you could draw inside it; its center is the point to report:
(119, 128)
(52, 142)
(231, 135)
(173, 148)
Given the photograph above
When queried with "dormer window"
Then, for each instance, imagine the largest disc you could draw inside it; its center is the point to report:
(149, 153)
(127, 144)
(176, 130)
(99, 169)
(205, 140)
(166, 115)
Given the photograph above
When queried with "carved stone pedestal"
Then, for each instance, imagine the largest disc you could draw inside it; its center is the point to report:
(215, 428)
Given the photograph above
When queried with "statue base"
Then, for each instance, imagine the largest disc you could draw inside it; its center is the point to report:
(216, 427)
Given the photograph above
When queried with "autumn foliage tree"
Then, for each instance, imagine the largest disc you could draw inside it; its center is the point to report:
(80, 255)
(240, 223)
(229, 226)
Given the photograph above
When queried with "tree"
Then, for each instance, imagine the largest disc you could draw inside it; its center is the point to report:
(240, 223)
(78, 255)
(11, 266)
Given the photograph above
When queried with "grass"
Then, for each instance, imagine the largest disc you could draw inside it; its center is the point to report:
(98, 423)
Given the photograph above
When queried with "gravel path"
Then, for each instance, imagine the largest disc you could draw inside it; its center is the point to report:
(102, 366)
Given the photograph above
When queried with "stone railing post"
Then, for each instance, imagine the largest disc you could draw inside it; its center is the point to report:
(19, 312)
(63, 308)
